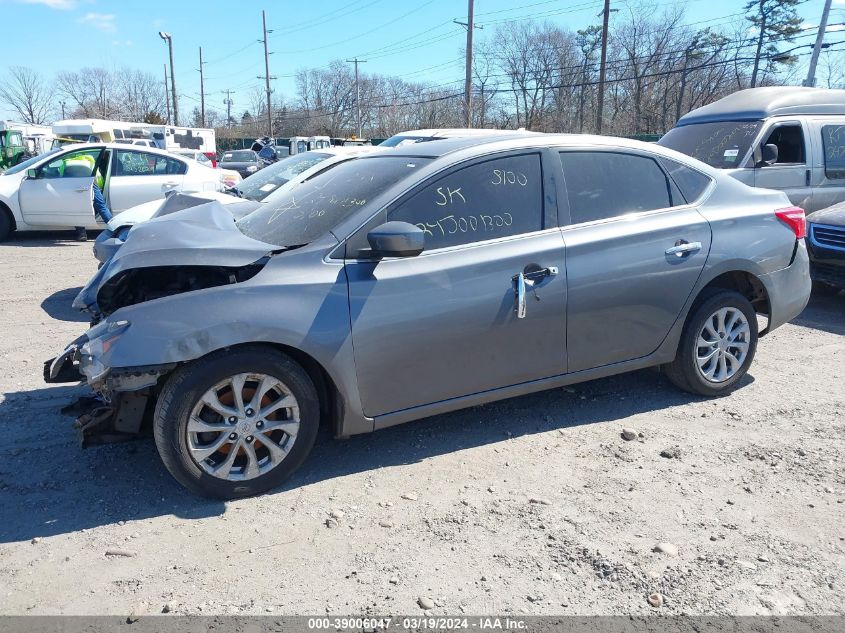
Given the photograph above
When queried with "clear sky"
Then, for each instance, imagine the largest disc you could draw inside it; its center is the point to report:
(415, 39)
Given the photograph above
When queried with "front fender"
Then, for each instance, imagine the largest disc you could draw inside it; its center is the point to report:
(298, 301)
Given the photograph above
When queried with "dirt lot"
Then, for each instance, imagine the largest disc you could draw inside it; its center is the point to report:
(532, 505)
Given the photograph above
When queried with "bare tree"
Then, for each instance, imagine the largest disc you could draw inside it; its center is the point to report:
(27, 92)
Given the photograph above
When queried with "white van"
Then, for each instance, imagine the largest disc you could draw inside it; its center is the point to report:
(299, 144)
(786, 138)
(91, 131)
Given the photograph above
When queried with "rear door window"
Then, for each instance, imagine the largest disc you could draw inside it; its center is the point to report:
(146, 164)
(602, 185)
(487, 200)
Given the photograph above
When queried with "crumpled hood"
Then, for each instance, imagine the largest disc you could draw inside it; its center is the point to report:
(833, 215)
(173, 203)
(198, 236)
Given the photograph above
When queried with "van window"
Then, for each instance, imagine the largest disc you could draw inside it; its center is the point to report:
(118, 133)
(721, 144)
(789, 139)
(833, 140)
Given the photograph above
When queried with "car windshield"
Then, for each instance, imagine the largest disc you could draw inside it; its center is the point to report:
(396, 141)
(29, 163)
(721, 144)
(308, 211)
(239, 157)
(261, 184)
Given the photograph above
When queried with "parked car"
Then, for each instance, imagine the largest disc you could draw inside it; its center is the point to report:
(42, 194)
(405, 284)
(786, 138)
(195, 154)
(244, 161)
(266, 182)
(261, 186)
(422, 136)
(826, 230)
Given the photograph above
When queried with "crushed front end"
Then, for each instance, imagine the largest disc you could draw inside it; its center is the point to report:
(121, 398)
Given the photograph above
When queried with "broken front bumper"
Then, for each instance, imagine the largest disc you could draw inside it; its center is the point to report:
(122, 396)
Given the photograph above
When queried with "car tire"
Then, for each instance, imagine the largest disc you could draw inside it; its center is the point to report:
(825, 290)
(693, 361)
(184, 396)
(5, 224)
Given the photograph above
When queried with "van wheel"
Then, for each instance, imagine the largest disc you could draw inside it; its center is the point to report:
(717, 345)
(236, 423)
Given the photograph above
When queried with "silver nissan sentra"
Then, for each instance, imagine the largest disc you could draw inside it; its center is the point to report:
(421, 280)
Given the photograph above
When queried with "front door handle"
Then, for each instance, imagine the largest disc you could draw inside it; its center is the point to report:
(683, 248)
(82, 189)
(519, 295)
(535, 275)
(169, 185)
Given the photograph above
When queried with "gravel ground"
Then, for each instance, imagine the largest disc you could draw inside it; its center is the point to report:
(532, 505)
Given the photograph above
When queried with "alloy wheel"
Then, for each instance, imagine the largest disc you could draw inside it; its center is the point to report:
(722, 344)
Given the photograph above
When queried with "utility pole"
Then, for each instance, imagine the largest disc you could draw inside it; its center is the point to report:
(202, 93)
(814, 59)
(470, 27)
(63, 109)
(169, 39)
(603, 66)
(267, 76)
(228, 103)
(167, 93)
(357, 61)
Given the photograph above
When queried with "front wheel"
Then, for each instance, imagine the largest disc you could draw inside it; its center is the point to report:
(717, 345)
(5, 224)
(236, 423)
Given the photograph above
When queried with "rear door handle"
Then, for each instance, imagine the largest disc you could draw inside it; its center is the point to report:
(82, 189)
(682, 248)
(807, 177)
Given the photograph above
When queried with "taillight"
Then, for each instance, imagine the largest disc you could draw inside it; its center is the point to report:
(795, 219)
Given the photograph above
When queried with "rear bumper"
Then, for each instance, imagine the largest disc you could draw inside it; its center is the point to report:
(789, 288)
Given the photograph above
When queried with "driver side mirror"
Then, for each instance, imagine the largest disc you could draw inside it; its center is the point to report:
(396, 239)
(768, 155)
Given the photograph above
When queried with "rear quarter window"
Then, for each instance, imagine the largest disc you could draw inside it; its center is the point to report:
(692, 183)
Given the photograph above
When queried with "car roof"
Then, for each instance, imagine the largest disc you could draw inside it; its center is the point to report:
(495, 143)
(454, 132)
(345, 150)
(754, 104)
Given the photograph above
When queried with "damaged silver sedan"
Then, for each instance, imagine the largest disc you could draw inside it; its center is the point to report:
(442, 276)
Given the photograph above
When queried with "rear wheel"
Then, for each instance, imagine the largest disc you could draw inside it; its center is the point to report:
(717, 345)
(236, 423)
